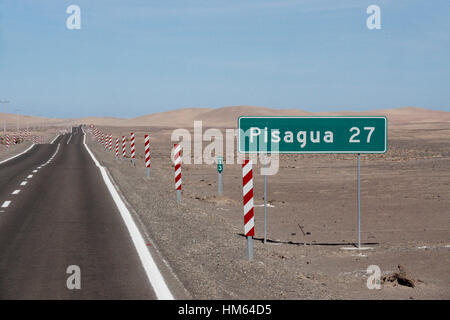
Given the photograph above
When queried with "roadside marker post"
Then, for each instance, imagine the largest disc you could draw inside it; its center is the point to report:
(7, 141)
(219, 170)
(147, 154)
(124, 148)
(249, 219)
(117, 148)
(106, 143)
(328, 134)
(110, 142)
(133, 150)
(177, 165)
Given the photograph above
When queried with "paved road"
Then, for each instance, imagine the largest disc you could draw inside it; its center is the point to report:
(63, 215)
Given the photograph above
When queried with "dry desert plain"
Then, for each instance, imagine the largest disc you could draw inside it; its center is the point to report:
(405, 209)
(45, 133)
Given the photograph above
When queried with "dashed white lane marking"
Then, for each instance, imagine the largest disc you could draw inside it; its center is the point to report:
(15, 191)
(69, 139)
(30, 176)
(6, 204)
(23, 183)
(34, 171)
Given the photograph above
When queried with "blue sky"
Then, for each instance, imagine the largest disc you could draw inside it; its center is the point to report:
(137, 57)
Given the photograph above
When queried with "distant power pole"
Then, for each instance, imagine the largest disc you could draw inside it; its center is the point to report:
(4, 120)
(17, 114)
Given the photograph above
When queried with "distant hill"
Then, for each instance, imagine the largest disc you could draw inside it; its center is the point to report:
(14, 120)
(226, 117)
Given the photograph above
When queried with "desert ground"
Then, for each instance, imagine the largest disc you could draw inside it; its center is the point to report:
(46, 133)
(312, 217)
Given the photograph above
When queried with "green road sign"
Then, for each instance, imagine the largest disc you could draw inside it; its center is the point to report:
(219, 164)
(312, 134)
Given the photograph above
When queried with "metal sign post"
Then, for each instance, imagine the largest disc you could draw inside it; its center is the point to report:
(359, 203)
(265, 200)
(219, 170)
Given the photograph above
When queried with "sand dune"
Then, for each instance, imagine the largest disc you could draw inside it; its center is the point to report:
(226, 117)
(14, 120)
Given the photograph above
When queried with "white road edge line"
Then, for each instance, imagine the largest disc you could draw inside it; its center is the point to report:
(154, 275)
(17, 154)
(16, 191)
(6, 204)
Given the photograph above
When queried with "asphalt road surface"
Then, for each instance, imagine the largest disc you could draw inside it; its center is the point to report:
(55, 212)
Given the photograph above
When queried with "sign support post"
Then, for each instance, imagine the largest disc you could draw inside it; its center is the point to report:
(250, 247)
(219, 170)
(359, 203)
(265, 199)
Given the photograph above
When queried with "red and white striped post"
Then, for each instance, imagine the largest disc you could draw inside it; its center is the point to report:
(177, 163)
(110, 142)
(104, 140)
(249, 218)
(117, 148)
(7, 141)
(124, 148)
(133, 150)
(147, 154)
